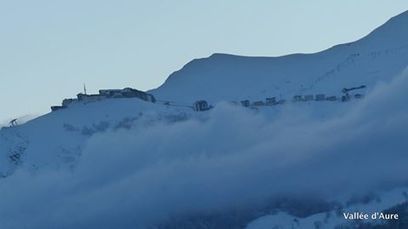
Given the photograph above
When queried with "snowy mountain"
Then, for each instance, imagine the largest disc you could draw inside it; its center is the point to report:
(130, 163)
(376, 57)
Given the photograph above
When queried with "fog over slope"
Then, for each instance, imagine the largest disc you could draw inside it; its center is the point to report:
(145, 174)
(127, 163)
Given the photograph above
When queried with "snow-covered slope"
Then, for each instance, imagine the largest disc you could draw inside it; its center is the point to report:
(378, 56)
(56, 139)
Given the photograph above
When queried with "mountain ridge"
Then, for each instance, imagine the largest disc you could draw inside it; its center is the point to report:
(387, 39)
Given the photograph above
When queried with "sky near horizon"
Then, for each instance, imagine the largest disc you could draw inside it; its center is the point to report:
(49, 49)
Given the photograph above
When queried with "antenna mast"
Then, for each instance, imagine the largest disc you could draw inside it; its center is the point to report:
(84, 89)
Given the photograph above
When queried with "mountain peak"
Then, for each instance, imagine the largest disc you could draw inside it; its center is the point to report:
(376, 57)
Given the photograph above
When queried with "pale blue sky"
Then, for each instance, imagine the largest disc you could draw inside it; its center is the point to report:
(49, 48)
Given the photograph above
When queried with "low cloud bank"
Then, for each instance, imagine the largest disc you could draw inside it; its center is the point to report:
(235, 158)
